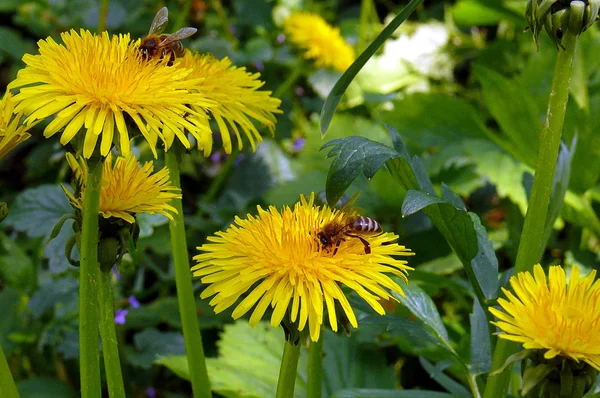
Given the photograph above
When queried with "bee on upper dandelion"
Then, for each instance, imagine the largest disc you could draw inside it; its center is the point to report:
(157, 45)
(97, 89)
(320, 42)
(277, 260)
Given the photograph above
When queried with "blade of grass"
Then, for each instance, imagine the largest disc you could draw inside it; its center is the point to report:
(333, 99)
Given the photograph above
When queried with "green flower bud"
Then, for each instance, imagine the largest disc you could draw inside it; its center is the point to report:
(108, 251)
(559, 16)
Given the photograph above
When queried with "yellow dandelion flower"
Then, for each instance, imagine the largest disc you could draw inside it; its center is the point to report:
(94, 82)
(320, 41)
(12, 132)
(238, 98)
(127, 188)
(276, 258)
(552, 315)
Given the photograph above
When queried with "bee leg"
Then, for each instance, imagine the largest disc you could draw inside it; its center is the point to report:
(337, 245)
(364, 242)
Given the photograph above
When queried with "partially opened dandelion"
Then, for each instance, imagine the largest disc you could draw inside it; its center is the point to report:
(128, 188)
(12, 132)
(276, 260)
(320, 42)
(556, 321)
(239, 104)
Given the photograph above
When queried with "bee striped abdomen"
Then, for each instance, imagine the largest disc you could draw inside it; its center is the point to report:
(366, 225)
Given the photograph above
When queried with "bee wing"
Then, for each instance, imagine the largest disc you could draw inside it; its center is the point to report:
(183, 33)
(349, 205)
(179, 35)
(159, 23)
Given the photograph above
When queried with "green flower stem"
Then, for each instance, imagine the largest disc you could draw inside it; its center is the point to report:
(291, 78)
(531, 246)
(103, 14)
(315, 368)
(89, 357)
(288, 370)
(7, 384)
(110, 345)
(185, 293)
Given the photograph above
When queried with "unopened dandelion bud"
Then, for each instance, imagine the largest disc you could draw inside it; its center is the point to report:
(108, 250)
(560, 16)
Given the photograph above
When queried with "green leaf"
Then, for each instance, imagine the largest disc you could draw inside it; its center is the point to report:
(353, 156)
(455, 224)
(163, 310)
(37, 210)
(423, 307)
(342, 84)
(559, 188)
(515, 111)
(501, 169)
(533, 375)
(9, 308)
(454, 120)
(437, 373)
(16, 268)
(371, 393)
(481, 351)
(343, 365)
(46, 387)
(466, 13)
(148, 222)
(151, 344)
(248, 362)
(62, 290)
(485, 263)
(54, 250)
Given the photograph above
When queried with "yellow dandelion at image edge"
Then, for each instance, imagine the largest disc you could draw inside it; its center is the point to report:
(552, 315)
(320, 41)
(127, 188)
(12, 132)
(274, 260)
(92, 82)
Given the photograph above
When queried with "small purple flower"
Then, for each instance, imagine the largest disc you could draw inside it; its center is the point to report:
(238, 160)
(115, 272)
(133, 302)
(120, 316)
(299, 91)
(259, 66)
(299, 144)
(233, 29)
(216, 157)
(151, 392)
(280, 38)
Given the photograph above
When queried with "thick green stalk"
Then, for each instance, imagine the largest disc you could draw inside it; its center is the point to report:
(110, 344)
(89, 357)
(531, 245)
(315, 368)
(185, 293)
(7, 384)
(288, 370)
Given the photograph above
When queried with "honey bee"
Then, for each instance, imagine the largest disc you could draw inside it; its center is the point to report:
(351, 225)
(159, 45)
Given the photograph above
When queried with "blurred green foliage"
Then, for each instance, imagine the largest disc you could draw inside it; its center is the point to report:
(466, 91)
